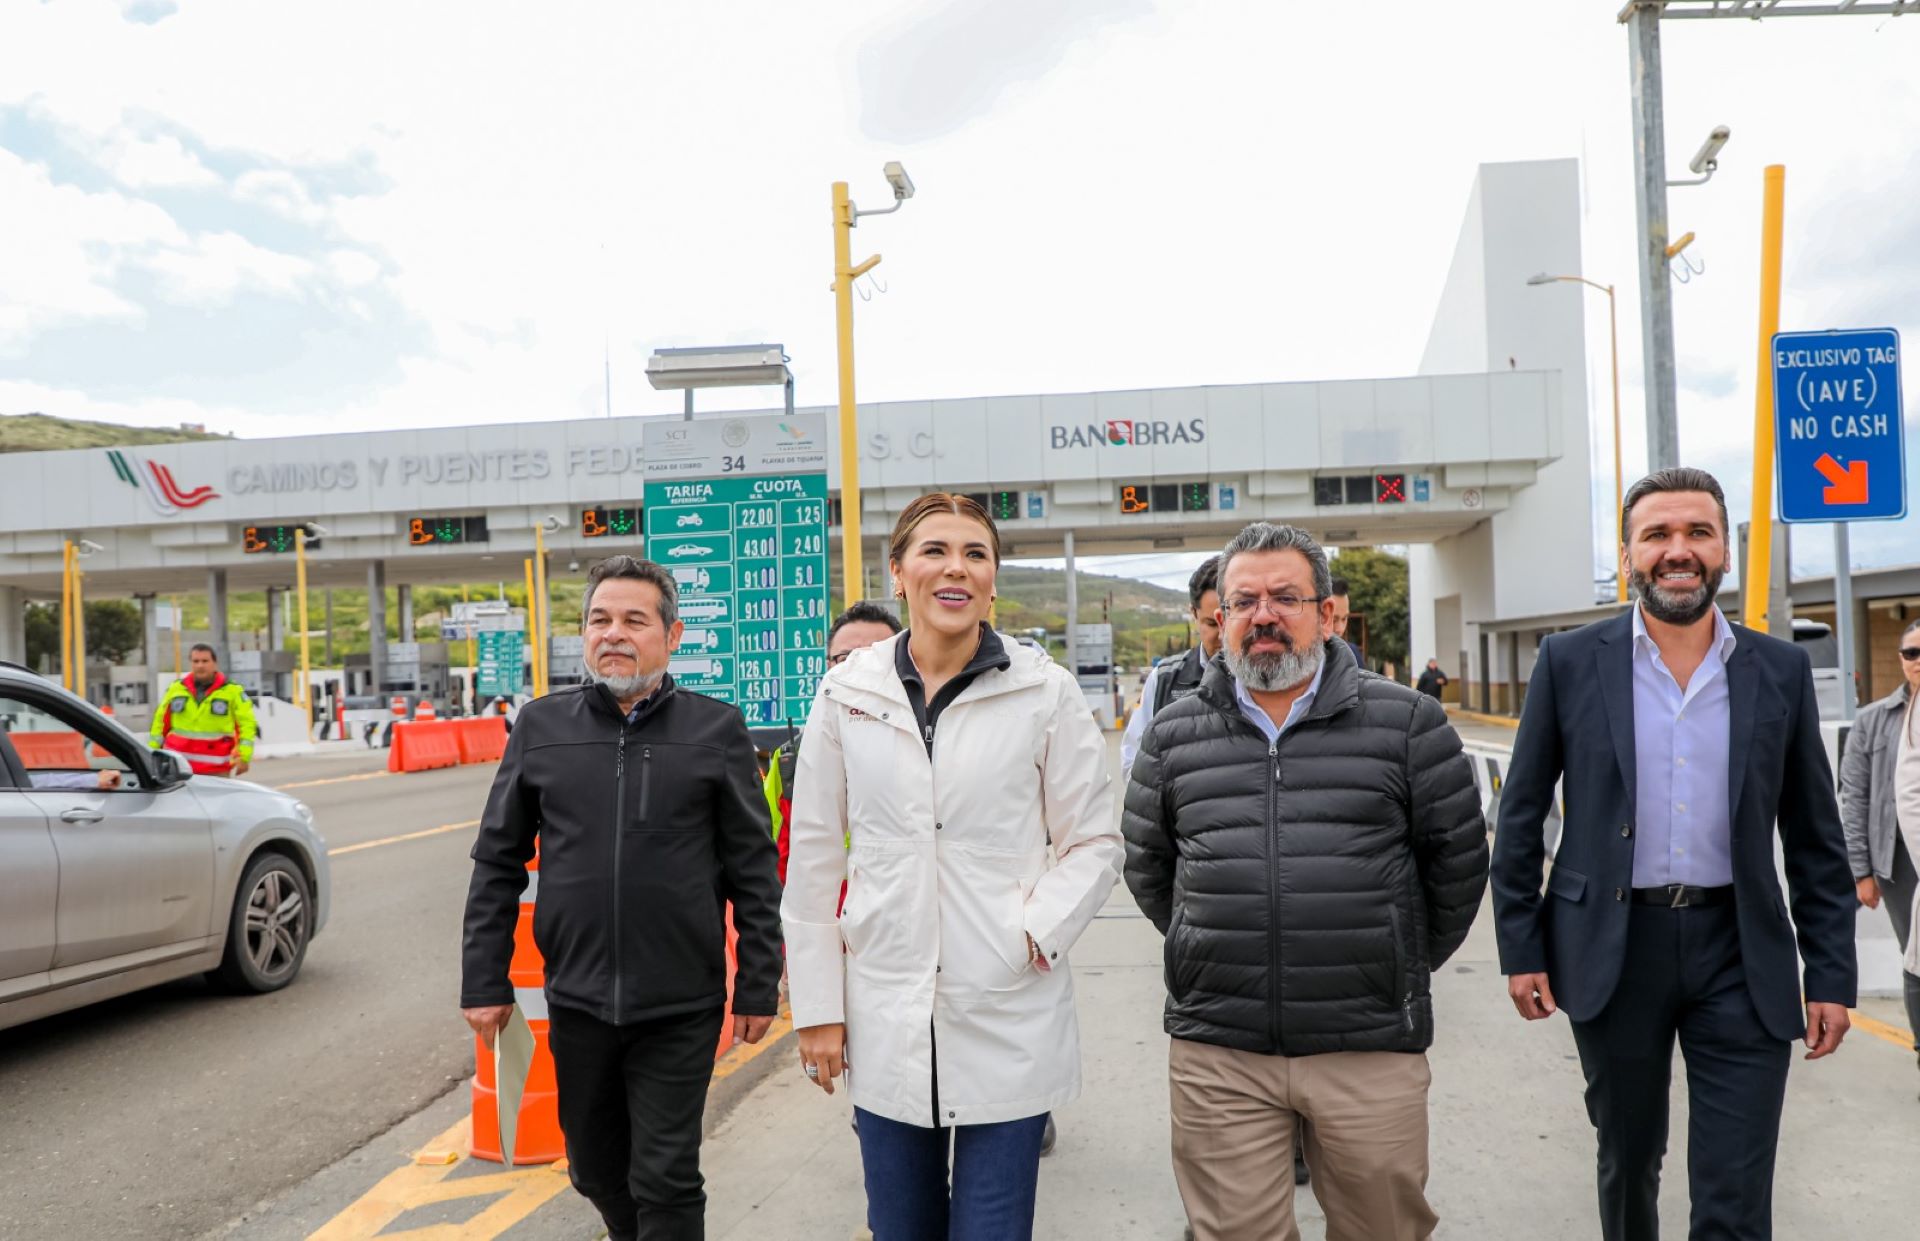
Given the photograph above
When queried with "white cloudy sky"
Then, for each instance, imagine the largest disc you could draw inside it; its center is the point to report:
(298, 217)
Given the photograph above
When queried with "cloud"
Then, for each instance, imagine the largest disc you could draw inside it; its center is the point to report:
(936, 70)
(148, 12)
(212, 268)
(141, 163)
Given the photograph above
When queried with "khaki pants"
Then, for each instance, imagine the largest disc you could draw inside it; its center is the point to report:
(1234, 1116)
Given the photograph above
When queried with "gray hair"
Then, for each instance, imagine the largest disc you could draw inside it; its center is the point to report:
(1265, 536)
(632, 568)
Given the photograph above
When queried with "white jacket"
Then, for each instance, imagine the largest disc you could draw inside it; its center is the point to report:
(948, 871)
(1906, 793)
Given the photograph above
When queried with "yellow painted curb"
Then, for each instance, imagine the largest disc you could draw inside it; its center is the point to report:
(1478, 717)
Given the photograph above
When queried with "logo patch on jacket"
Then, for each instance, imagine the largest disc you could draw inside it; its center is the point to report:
(220, 706)
(855, 713)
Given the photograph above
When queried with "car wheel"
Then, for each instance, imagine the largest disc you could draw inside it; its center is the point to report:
(268, 931)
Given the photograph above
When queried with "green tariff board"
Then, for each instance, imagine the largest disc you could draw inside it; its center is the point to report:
(750, 558)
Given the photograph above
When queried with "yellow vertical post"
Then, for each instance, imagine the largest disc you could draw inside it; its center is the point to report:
(851, 567)
(533, 628)
(1756, 583)
(66, 614)
(545, 641)
(305, 686)
(1619, 482)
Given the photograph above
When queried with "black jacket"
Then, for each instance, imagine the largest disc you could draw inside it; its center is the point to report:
(1577, 731)
(1307, 891)
(646, 831)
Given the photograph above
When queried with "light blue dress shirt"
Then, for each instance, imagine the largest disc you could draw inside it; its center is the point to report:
(1264, 722)
(1683, 824)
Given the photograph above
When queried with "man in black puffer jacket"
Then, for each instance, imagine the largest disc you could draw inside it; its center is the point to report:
(1308, 837)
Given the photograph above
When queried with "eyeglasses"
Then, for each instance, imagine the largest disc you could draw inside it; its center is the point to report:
(1910, 652)
(1245, 607)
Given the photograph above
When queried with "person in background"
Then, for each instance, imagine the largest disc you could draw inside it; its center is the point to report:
(960, 788)
(1433, 682)
(1308, 838)
(1171, 680)
(855, 629)
(642, 801)
(1342, 613)
(206, 719)
(1881, 861)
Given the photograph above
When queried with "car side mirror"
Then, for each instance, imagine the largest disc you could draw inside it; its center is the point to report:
(170, 769)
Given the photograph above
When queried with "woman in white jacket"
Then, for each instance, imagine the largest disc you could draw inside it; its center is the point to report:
(958, 784)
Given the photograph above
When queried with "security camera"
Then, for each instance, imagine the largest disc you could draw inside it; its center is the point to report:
(1709, 156)
(897, 177)
(88, 547)
(573, 566)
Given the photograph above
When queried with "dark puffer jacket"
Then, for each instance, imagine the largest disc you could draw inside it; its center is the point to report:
(1309, 890)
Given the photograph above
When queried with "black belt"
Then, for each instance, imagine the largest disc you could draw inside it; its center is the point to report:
(1680, 896)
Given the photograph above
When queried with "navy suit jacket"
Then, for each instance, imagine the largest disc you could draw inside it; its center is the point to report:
(1578, 723)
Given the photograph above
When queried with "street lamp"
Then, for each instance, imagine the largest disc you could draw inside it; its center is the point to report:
(1613, 340)
(720, 366)
(73, 621)
(846, 217)
(537, 619)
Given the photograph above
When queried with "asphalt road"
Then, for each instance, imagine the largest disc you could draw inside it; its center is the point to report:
(166, 1113)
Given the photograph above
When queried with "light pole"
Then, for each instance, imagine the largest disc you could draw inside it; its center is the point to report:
(846, 217)
(542, 623)
(1619, 497)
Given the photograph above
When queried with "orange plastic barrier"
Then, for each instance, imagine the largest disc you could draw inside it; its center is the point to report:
(423, 745)
(726, 1014)
(61, 751)
(483, 739)
(537, 1139)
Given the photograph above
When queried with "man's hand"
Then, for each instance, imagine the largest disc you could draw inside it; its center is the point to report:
(241, 767)
(1868, 890)
(1827, 1024)
(109, 780)
(1531, 995)
(750, 1029)
(824, 1050)
(488, 1022)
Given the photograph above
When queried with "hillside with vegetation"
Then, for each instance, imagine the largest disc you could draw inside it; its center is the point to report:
(45, 433)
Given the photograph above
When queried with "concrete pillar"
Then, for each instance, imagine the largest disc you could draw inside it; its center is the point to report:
(217, 613)
(13, 625)
(276, 618)
(1073, 611)
(149, 633)
(404, 592)
(326, 657)
(1513, 673)
(377, 623)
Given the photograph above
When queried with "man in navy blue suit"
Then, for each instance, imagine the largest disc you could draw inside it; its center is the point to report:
(1682, 743)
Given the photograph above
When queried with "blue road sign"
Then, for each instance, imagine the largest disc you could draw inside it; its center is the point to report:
(1838, 441)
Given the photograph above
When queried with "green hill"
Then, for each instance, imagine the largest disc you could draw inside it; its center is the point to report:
(45, 433)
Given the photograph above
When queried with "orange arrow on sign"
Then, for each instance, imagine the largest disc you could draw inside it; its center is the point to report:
(1844, 486)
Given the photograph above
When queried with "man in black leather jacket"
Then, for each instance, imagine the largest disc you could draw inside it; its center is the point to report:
(645, 805)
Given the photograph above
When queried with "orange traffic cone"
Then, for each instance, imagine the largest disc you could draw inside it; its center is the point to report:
(425, 710)
(538, 1138)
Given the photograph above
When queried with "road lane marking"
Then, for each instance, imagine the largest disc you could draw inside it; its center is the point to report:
(1880, 1029)
(394, 840)
(520, 1193)
(307, 784)
(740, 1057)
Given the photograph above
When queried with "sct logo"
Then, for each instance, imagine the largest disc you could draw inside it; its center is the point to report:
(1128, 432)
(167, 497)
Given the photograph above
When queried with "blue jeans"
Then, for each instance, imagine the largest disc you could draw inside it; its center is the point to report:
(996, 1172)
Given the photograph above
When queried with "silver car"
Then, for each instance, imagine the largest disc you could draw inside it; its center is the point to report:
(119, 869)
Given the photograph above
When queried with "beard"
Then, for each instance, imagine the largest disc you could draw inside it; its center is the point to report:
(634, 685)
(1268, 671)
(1677, 607)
